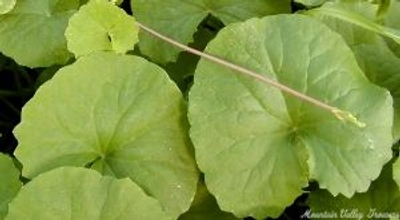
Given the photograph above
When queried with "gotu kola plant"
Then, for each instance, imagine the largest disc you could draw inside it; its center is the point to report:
(111, 135)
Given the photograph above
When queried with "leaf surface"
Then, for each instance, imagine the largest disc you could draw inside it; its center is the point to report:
(204, 207)
(101, 26)
(78, 193)
(373, 54)
(9, 184)
(392, 20)
(380, 201)
(179, 19)
(6, 6)
(353, 33)
(335, 10)
(33, 32)
(258, 147)
(311, 3)
(381, 66)
(117, 114)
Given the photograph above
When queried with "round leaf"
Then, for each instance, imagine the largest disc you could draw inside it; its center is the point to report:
(100, 25)
(118, 114)
(259, 147)
(179, 19)
(6, 6)
(33, 32)
(9, 184)
(78, 193)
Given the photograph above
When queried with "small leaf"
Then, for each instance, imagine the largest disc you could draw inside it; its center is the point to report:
(33, 32)
(257, 146)
(118, 114)
(7, 5)
(9, 184)
(100, 25)
(78, 193)
(179, 19)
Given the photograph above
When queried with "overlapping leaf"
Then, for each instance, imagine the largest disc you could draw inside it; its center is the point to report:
(336, 10)
(204, 207)
(9, 184)
(258, 147)
(382, 67)
(392, 20)
(78, 193)
(101, 26)
(118, 114)
(378, 62)
(179, 19)
(381, 201)
(33, 32)
(352, 33)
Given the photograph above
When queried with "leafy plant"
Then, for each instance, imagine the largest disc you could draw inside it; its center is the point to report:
(277, 105)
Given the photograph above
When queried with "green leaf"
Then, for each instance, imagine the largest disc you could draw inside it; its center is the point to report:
(258, 147)
(6, 6)
(311, 3)
(336, 11)
(382, 67)
(118, 114)
(179, 19)
(9, 184)
(101, 26)
(205, 206)
(78, 193)
(33, 32)
(378, 63)
(384, 7)
(392, 20)
(116, 2)
(352, 33)
(181, 71)
(381, 200)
